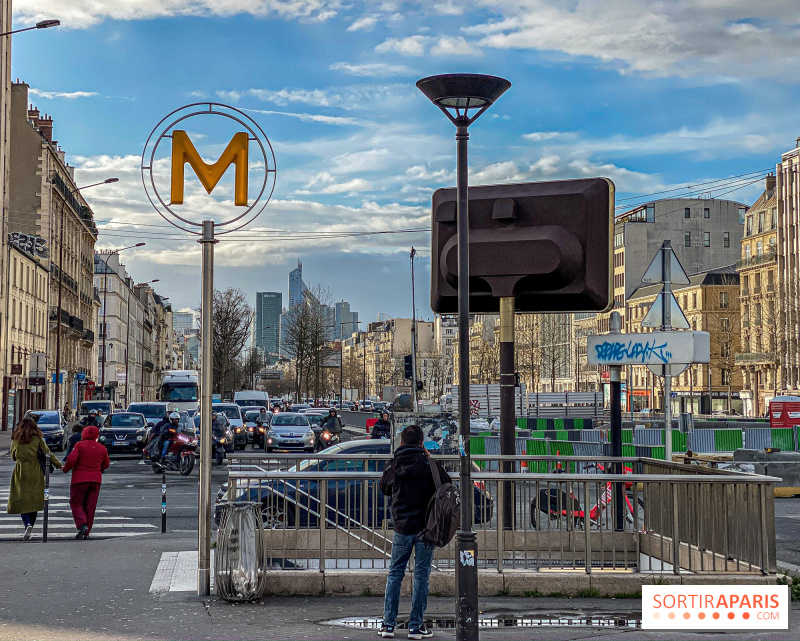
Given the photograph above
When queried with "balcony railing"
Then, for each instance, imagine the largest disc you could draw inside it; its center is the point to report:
(745, 291)
(148, 365)
(766, 257)
(757, 289)
(88, 336)
(755, 358)
(770, 288)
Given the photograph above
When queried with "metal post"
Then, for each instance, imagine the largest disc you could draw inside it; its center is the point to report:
(105, 328)
(615, 380)
(46, 500)
(666, 325)
(507, 413)
(467, 542)
(128, 352)
(206, 383)
(163, 499)
(413, 335)
(57, 390)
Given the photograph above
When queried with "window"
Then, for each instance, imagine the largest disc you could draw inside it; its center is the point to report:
(706, 239)
(687, 213)
(749, 226)
(726, 376)
(725, 350)
(747, 252)
(770, 280)
(651, 213)
(706, 212)
(694, 300)
(773, 218)
(757, 315)
(723, 300)
(725, 324)
(759, 248)
(760, 222)
(772, 245)
(742, 212)
(726, 239)
(687, 239)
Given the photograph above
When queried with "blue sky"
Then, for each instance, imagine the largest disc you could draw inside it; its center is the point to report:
(653, 95)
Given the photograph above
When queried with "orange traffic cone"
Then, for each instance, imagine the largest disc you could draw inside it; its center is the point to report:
(558, 463)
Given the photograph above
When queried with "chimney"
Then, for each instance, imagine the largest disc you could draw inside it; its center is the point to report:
(46, 128)
(33, 115)
(797, 143)
(770, 184)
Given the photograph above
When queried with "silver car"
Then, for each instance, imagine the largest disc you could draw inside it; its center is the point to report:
(289, 430)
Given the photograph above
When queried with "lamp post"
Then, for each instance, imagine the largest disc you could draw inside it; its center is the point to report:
(42, 24)
(413, 334)
(456, 95)
(57, 390)
(103, 355)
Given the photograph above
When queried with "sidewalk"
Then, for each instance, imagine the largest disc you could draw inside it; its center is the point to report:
(92, 590)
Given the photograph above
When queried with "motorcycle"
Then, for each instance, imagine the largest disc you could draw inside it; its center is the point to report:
(180, 455)
(325, 438)
(218, 448)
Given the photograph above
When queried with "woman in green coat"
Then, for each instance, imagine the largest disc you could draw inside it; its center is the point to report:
(26, 496)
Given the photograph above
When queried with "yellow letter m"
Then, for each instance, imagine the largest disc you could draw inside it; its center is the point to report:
(235, 154)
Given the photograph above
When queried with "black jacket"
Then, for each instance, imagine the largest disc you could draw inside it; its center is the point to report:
(381, 429)
(332, 423)
(408, 480)
(75, 438)
(88, 420)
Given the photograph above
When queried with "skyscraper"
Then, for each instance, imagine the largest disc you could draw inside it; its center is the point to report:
(345, 321)
(183, 322)
(266, 323)
(296, 285)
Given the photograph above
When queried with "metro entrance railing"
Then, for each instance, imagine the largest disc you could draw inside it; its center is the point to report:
(326, 512)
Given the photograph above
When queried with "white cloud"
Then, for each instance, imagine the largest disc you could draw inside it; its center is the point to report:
(449, 8)
(693, 37)
(327, 120)
(67, 95)
(348, 98)
(325, 183)
(539, 136)
(457, 46)
(371, 70)
(81, 14)
(364, 23)
(410, 46)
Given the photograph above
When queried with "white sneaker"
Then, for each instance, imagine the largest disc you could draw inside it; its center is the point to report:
(28, 533)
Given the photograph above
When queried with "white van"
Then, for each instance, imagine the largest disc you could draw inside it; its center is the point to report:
(252, 397)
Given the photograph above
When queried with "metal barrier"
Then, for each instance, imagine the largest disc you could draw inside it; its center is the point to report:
(327, 512)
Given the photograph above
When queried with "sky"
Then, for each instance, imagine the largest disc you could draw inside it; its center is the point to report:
(655, 96)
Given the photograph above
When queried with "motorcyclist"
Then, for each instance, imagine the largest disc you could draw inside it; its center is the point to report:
(382, 427)
(92, 419)
(167, 432)
(332, 423)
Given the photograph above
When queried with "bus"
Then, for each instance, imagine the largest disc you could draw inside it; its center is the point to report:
(181, 388)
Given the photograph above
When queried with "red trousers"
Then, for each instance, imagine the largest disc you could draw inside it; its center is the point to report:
(83, 502)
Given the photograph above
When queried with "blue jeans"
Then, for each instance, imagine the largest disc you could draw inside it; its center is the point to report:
(165, 448)
(402, 544)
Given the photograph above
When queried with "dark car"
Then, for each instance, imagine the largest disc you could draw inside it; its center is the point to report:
(124, 433)
(349, 502)
(152, 412)
(255, 432)
(52, 425)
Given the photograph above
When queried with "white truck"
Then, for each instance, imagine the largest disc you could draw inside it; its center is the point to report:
(252, 397)
(181, 388)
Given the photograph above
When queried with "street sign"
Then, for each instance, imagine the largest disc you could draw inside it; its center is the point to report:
(668, 370)
(546, 244)
(654, 317)
(90, 385)
(16, 369)
(654, 348)
(655, 273)
(673, 394)
(38, 363)
(80, 377)
(60, 378)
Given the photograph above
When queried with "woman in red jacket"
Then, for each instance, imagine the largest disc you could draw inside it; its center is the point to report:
(88, 459)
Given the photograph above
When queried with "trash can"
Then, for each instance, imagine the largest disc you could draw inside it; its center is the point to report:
(239, 558)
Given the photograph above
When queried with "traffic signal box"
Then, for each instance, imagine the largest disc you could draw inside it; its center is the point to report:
(547, 244)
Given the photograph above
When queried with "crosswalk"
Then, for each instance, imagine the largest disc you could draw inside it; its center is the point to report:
(109, 522)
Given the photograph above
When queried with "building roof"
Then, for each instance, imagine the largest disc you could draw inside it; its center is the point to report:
(721, 276)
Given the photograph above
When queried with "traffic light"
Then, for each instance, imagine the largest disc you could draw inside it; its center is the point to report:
(408, 367)
(547, 244)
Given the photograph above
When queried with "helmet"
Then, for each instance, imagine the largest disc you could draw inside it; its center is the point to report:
(92, 412)
(174, 416)
(213, 414)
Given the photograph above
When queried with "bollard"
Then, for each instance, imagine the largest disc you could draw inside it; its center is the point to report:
(163, 500)
(46, 500)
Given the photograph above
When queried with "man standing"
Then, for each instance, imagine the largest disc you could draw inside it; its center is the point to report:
(408, 480)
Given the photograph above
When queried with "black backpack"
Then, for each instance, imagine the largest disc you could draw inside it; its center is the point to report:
(444, 510)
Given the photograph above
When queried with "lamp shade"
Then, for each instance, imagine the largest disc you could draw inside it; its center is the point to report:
(463, 90)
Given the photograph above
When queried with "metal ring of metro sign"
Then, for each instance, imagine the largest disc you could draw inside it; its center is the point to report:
(183, 152)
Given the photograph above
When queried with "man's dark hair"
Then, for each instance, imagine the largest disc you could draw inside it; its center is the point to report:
(411, 435)
(77, 428)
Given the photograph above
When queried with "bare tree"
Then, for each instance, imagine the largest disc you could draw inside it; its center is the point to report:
(528, 348)
(554, 339)
(232, 317)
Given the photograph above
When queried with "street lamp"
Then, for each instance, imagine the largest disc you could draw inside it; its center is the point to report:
(103, 358)
(463, 97)
(57, 390)
(42, 24)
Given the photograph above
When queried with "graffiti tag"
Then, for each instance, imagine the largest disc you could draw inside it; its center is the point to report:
(643, 351)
